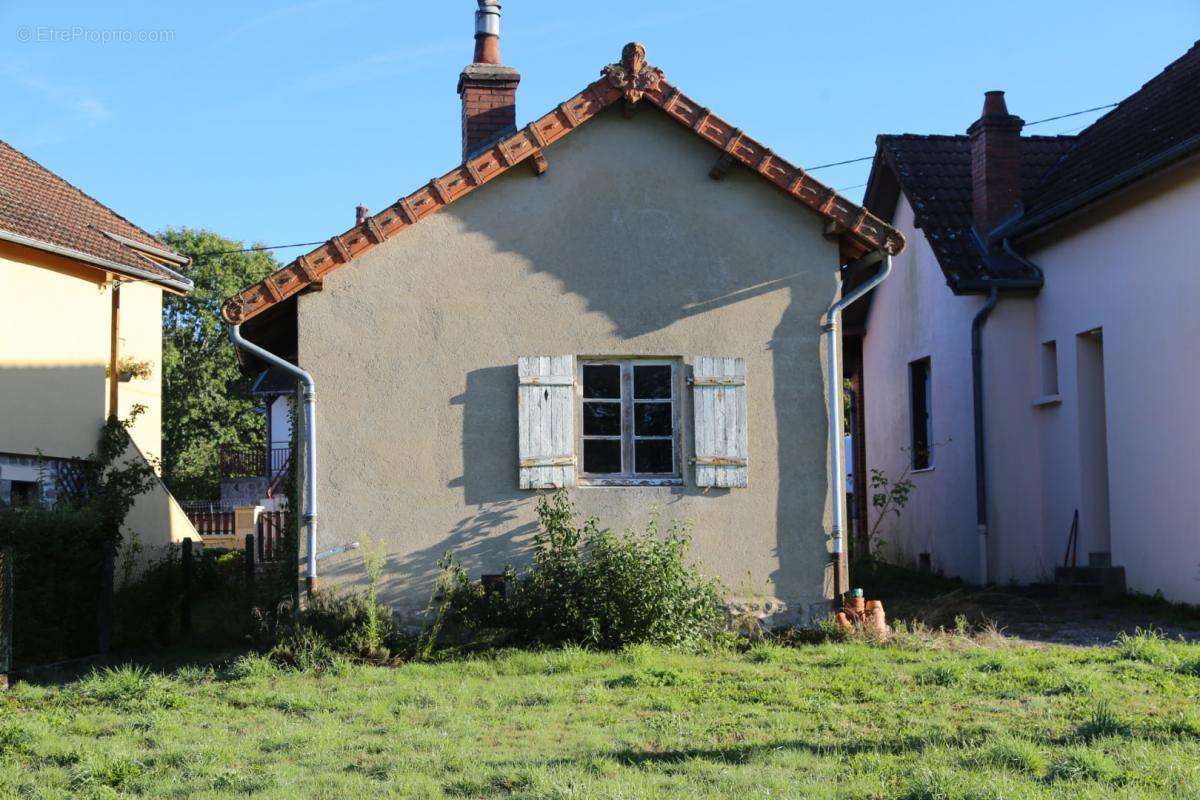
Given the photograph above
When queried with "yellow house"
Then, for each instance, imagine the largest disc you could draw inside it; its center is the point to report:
(80, 338)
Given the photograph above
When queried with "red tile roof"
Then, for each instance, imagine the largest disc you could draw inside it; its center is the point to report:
(934, 173)
(40, 209)
(1157, 125)
(630, 81)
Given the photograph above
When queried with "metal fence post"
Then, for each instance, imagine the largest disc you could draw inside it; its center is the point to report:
(249, 556)
(104, 609)
(6, 614)
(185, 604)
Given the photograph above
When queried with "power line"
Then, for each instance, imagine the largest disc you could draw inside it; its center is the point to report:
(838, 163)
(1027, 124)
(1072, 114)
(256, 249)
(806, 169)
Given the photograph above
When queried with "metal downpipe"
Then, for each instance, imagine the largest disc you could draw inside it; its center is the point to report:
(980, 456)
(310, 444)
(832, 330)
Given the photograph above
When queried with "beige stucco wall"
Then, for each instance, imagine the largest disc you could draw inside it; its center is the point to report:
(625, 247)
(55, 315)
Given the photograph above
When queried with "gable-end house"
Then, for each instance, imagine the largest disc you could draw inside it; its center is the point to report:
(1062, 263)
(625, 297)
(81, 302)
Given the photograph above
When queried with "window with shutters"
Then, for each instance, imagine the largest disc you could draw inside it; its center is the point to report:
(629, 422)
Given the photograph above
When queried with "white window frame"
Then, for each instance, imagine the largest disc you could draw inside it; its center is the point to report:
(628, 476)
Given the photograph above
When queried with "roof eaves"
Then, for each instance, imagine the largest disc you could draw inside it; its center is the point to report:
(1023, 227)
(174, 281)
(632, 80)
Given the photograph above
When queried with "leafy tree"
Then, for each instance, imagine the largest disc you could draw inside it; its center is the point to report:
(206, 398)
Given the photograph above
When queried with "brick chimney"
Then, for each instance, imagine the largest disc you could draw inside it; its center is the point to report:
(488, 88)
(995, 163)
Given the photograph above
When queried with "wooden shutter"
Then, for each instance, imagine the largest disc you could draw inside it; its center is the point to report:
(546, 413)
(719, 406)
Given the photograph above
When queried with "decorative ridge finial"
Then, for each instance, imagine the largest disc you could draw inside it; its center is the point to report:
(633, 75)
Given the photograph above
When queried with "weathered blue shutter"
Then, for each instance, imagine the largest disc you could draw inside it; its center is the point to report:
(719, 409)
(546, 414)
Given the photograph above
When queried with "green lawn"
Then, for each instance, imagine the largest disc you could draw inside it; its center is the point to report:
(931, 717)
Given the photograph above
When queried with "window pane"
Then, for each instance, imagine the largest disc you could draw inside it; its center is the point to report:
(919, 413)
(652, 382)
(601, 419)
(654, 456)
(652, 419)
(602, 380)
(601, 456)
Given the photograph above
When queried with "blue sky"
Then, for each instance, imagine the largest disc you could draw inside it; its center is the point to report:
(269, 121)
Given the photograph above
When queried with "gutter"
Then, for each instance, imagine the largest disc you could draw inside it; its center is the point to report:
(177, 282)
(310, 444)
(832, 330)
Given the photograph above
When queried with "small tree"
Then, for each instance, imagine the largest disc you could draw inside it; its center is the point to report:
(888, 497)
(206, 398)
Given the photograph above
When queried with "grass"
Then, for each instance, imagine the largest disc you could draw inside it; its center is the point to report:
(927, 717)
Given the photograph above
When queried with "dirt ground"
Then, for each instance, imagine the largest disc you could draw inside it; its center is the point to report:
(1039, 615)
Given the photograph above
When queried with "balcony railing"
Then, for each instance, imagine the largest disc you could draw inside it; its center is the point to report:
(240, 461)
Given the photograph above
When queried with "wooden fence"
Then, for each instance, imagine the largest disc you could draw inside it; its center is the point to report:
(217, 529)
(269, 538)
(212, 523)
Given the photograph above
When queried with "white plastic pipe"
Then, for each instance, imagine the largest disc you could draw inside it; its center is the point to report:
(833, 353)
(310, 443)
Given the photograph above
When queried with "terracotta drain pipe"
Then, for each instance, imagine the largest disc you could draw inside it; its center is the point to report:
(310, 444)
(832, 330)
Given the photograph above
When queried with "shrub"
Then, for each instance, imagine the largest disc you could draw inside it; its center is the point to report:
(354, 624)
(305, 649)
(56, 580)
(593, 587)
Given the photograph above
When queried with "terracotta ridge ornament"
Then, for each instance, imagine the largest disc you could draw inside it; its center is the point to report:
(633, 75)
(630, 80)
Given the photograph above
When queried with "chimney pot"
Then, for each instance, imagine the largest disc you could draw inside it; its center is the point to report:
(360, 214)
(995, 163)
(487, 32)
(994, 105)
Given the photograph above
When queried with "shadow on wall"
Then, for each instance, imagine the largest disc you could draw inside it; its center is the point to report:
(648, 240)
(55, 408)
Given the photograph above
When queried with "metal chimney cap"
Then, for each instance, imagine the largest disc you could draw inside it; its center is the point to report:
(487, 18)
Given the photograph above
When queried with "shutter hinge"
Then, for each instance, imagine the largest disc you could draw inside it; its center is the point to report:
(549, 461)
(718, 461)
(714, 381)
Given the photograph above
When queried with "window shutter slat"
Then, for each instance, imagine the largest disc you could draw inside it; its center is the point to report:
(719, 406)
(546, 418)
